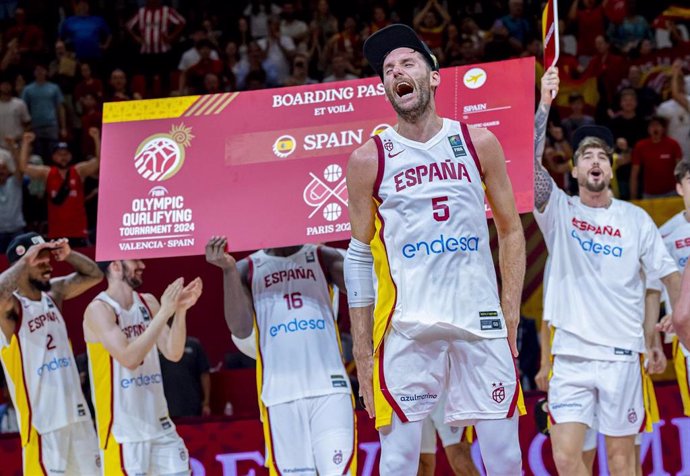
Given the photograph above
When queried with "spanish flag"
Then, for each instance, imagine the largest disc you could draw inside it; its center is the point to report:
(549, 31)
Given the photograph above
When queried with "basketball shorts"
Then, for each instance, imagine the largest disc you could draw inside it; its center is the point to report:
(478, 377)
(166, 454)
(681, 363)
(311, 436)
(612, 390)
(433, 423)
(69, 450)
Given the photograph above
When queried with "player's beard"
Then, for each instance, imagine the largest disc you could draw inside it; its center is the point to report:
(412, 112)
(43, 286)
(593, 187)
(130, 278)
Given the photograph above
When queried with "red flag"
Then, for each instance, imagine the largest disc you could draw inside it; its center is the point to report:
(549, 28)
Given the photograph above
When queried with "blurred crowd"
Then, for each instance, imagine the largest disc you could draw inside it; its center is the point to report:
(622, 64)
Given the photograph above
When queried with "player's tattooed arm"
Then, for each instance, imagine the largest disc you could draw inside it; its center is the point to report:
(543, 183)
(86, 272)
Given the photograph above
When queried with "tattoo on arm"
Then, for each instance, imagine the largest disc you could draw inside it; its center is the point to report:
(87, 274)
(9, 279)
(543, 183)
(84, 265)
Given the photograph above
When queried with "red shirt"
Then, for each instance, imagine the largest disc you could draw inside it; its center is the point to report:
(153, 24)
(590, 24)
(67, 220)
(657, 161)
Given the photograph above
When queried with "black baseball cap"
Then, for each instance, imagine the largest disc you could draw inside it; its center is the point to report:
(59, 146)
(397, 35)
(21, 244)
(600, 132)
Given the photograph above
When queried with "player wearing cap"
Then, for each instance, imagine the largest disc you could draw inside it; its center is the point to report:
(64, 186)
(599, 249)
(438, 325)
(124, 331)
(281, 298)
(57, 436)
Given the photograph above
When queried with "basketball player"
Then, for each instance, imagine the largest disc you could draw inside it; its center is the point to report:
(416, 201)
(124, 331)
(676, 235)
(456, 446)
(57, 436)
(281, 299)
(599, 247)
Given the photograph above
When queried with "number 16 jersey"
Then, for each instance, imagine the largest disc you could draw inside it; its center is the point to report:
(299, 347)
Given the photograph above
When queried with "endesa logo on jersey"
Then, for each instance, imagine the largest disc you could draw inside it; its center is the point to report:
(594, 247)
(462, 244)
(141, 381)
(298, 325)
(54, 365)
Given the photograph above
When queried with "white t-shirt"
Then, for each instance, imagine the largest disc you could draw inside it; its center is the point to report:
(595, 291)
(676, 236)
(191, 57)
(678, 123)
(13, 115)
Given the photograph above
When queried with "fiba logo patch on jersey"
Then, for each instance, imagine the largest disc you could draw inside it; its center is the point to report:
(144, 313)
(160, 156)
(499, 392)
(456, 144)
(284, 146)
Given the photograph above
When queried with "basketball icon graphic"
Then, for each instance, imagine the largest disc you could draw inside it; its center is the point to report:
(332, 211)
(160, 156)
(333, 172)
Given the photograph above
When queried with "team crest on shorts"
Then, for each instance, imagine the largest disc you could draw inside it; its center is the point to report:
(183, 454)
(499, 392)
(338, 457)
(632, 415)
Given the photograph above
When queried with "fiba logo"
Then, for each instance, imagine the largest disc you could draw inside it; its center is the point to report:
(333, 173)
(284, 146)
(160, 156)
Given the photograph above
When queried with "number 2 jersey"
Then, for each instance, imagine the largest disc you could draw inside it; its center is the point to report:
(41, 372)
(432, 257)
(297, 337)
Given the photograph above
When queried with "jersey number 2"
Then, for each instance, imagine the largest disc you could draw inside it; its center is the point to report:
(50, 345)
(440, 207)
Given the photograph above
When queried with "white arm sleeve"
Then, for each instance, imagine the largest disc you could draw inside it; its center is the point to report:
(359, 276)
(247, 345)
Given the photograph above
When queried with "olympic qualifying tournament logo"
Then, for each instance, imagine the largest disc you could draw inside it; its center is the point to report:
(160, 156)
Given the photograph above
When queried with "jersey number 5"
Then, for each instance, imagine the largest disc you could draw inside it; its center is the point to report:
(440, 207)
(293, 301)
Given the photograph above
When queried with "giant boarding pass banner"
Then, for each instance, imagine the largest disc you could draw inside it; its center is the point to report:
(267, 168)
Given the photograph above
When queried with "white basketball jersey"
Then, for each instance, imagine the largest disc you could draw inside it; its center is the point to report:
(432, 257)
(594, 288)
(41, 371)
(299, 350)
(129, 403)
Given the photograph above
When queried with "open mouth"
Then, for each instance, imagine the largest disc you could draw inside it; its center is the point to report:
(403, 88)
(596, 173)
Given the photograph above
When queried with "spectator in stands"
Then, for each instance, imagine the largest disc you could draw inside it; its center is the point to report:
(252, 63)
(64, 187)
(518, 27)
(325, 21)
(558, 166)
(469, 30)
(340, 69)
(192, 80)
(211, 84)
(627, 35)
(187, 383)
(675, 110)
(590, 23)
(427, 24)
(46, 106)
(28, 36)
(577, 116)
(11, 216)
(256, 80)
(609, 67)
(647, 98)
(118, 87)
(300, 72)
(653, 161)
(278, 50)
(258, 12)
(14, 115)
(499, 47)
(630, 127)
(347, 41)
(62, 70)
(91, 117)
(156, 27)
(11, 63)
(88, 84)
(88, 35)
(192, 56)
(292, 26)
(379, 19)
